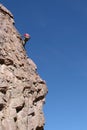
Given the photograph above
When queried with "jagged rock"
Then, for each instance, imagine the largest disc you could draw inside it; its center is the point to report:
(22, 91)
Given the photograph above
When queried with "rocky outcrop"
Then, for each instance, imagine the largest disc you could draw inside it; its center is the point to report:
(22, 91)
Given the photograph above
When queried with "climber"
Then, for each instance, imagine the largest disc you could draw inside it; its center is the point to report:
(26, 38)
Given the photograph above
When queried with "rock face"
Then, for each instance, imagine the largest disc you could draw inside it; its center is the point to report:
(22, 91)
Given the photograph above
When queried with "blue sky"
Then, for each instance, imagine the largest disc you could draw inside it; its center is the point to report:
(58, 46)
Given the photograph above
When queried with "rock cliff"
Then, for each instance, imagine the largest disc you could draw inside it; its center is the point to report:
(22, 91)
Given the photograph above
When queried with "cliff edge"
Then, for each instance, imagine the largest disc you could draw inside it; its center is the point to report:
(22, 91)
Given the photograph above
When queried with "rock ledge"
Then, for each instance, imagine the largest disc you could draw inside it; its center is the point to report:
(22, 91)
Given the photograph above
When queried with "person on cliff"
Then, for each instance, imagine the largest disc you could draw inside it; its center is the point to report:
(26, 38)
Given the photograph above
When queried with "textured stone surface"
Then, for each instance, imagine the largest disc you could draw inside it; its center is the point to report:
(22, 91)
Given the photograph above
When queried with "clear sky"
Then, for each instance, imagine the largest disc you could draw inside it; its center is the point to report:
(58, 46)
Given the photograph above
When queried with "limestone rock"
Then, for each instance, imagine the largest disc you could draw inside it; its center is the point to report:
(22, 91)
